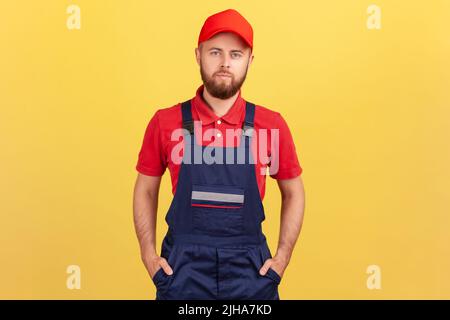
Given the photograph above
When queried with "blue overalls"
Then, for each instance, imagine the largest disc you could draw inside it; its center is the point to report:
(215, 244)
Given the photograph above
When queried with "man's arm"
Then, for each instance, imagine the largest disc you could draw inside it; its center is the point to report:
(145, 207)
(292, 210)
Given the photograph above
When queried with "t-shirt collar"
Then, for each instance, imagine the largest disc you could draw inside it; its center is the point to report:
(207, 115)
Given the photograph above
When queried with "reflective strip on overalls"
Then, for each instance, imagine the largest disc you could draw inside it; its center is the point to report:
(215, 244)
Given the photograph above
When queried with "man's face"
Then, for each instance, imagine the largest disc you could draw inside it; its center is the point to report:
(224, 60)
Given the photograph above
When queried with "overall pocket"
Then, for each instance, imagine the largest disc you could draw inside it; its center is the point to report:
(271, 273)
(217, 210)
(160, 278)
(261, 287)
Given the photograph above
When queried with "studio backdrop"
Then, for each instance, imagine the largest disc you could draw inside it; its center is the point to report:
(363, 85)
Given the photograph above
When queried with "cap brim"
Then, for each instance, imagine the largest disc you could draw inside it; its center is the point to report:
(233, 31)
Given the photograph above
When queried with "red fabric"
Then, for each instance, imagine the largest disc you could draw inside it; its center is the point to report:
(154, 156)
(227, 21)
(213, 206)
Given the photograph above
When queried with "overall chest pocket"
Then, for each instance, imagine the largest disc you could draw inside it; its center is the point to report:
(217, 210)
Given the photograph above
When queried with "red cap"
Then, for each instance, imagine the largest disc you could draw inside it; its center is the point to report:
(227, 21)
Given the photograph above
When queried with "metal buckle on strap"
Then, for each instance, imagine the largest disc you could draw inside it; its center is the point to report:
(189, 125)
(247, 129)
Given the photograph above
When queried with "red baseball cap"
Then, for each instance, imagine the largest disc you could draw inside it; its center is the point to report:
(227, 21)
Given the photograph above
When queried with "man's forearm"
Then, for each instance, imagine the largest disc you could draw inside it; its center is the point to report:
(144, 213)
(292, 210)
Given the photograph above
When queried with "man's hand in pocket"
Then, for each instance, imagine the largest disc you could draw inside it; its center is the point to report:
(154, 262)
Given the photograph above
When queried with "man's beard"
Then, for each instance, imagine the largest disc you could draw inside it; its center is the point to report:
(222, 90)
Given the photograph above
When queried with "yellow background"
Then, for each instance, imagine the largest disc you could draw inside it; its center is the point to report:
(368, 109)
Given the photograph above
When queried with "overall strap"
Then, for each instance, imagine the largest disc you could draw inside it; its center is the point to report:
(186, 113)
(248, 124)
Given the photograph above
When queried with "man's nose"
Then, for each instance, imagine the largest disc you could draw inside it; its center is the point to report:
(225, 61)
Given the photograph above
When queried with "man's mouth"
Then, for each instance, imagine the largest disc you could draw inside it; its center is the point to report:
(224, 75)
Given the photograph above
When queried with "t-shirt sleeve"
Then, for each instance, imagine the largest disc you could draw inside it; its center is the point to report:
(151, 158)
(284, 162)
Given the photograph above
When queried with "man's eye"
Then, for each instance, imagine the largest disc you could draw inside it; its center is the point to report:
(214, 52)
(236, 55)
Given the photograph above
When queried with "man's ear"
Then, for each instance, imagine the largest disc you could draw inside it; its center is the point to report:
(251, 58)
(197, 55)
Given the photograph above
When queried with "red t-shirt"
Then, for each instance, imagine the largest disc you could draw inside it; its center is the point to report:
(155, 154)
